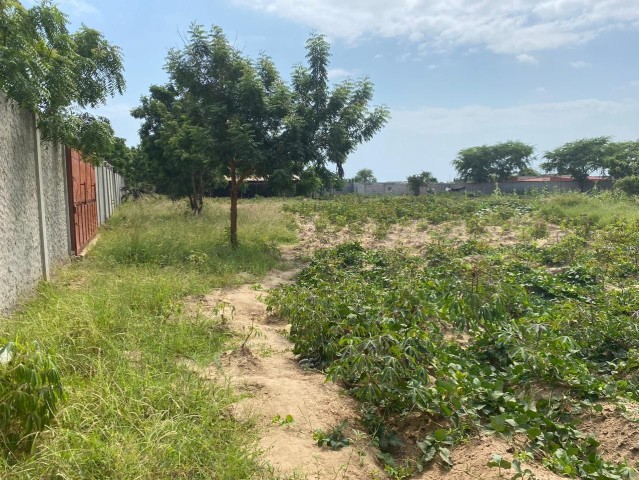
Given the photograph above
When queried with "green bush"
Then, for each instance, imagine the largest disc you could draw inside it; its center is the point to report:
(30, 389)
(629, 185)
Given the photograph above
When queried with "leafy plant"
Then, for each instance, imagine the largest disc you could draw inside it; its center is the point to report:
(374, 320)
(335, 438)
(30, 389)
(279, 420)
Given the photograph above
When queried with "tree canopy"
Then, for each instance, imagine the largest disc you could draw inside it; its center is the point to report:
(365, 175)
(578, 159)
(493, 162)
(57, 74)
(622, 159)
(225, 116)
(420, 179)
(326, 124)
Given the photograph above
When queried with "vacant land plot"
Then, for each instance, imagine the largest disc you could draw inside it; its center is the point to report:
(476, 337)
(530, 336)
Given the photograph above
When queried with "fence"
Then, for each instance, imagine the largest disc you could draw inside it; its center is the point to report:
(36, 204)
(514, 187)
(402, 188)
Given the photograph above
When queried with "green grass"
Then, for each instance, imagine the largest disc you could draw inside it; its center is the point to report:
(117, 324)
(600, 209)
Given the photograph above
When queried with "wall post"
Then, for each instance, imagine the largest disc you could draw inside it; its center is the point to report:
(42, 220)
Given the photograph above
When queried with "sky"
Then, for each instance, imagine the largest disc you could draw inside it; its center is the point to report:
(454, 73)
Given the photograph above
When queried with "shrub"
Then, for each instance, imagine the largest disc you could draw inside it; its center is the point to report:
(30, 389)
(629, 185)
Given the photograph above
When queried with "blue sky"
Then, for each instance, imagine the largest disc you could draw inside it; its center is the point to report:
(454, 73)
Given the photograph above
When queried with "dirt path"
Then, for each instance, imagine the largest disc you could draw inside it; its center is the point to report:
(262, 366)
(276, 386)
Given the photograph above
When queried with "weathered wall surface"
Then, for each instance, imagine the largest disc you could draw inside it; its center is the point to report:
(56, 207)
(514, 187)
(20, 260)
(35, 224)
(385, 188)
(109, 191)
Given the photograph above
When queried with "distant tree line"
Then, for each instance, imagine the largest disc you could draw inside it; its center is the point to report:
(579, 159)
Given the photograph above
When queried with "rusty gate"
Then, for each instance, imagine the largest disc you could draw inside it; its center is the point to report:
(82, 201)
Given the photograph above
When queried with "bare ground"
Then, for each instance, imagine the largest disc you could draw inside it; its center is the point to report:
(415, 236)
(264, 369)
(617, 432)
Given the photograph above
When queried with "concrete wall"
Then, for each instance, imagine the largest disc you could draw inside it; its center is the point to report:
(56, 203)
(510, 187)
(20, 256)
(35, 231)
(109, 191)
(385, 188)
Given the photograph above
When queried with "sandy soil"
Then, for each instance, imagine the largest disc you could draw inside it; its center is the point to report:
(471, 458)
(618, 435)
(263, 368)
(415, 236)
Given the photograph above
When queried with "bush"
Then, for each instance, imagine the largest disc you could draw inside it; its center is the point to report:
(629, 185)
(30, 389)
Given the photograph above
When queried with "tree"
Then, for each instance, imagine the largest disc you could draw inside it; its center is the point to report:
(57, 74)
(365, 175)
(325, 124)
(622, 159)
(493, 162)
(578, 158)
(223, 114)
(176, 145)
(220, 114)
(417, 181)
(130, 163)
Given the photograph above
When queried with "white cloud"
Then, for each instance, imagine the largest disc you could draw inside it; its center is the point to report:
(335, 73)
(507, 26)
(541, 90)
(525, 58)
(634, 83)
(580, 64)
(429, 138)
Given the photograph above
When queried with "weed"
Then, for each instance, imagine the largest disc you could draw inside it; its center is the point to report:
(335, 438)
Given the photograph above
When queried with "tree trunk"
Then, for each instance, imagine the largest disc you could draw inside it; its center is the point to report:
(234, 189)
(196, 196)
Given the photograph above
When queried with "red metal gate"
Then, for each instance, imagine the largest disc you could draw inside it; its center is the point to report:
(82, 201)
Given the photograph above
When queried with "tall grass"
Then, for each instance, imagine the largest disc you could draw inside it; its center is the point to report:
(598, 208)
(118, 325)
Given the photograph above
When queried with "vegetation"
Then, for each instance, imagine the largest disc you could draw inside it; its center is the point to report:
(622, 159)
(365, 175)
(549, 325)
(419, 180)
(497, 162)
(30, 389)
(57, 74)
(578, 159)
(629, 184)
(119, 328)
(224, 116)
